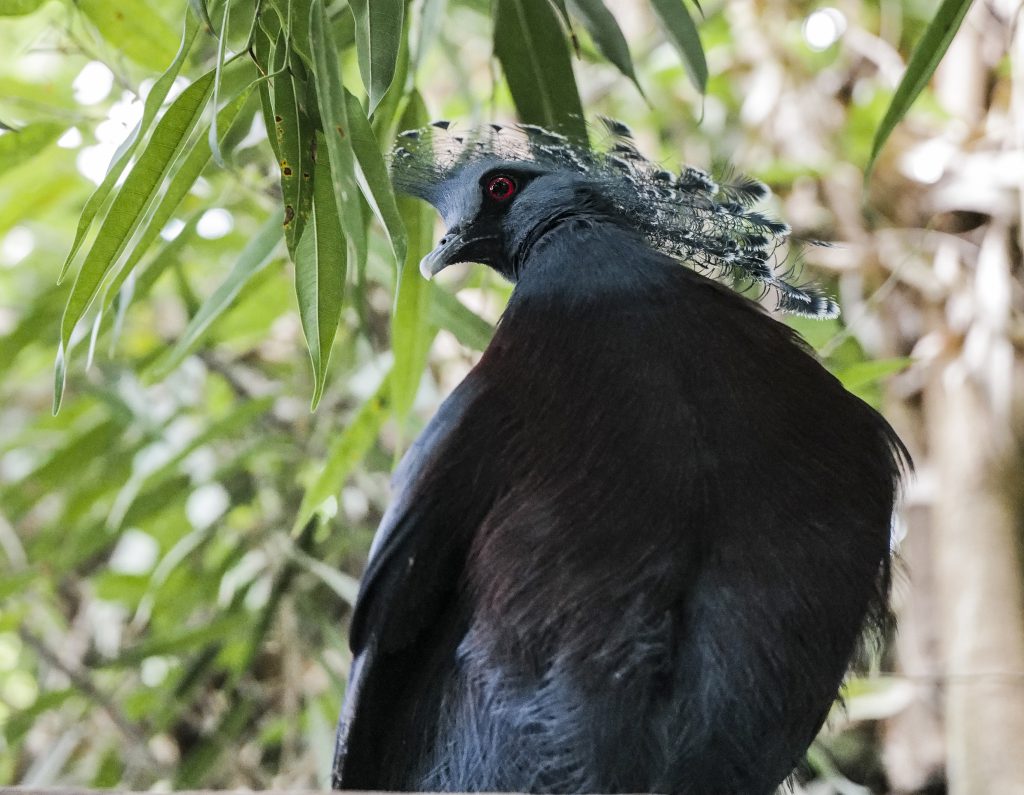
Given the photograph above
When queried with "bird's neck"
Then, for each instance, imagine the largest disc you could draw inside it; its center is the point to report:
(575, 261)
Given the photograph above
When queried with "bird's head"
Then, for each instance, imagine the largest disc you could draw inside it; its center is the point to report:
(494, 209)
(480, 205)
(500, 189)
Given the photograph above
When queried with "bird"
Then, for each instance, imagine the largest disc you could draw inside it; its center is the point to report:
(637, 547)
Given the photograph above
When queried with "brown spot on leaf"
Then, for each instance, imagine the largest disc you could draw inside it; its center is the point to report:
(286, 170)
(289, 214)
(279, 119)
(341, 132)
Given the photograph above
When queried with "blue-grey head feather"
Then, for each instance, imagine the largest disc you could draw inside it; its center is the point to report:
(708, 224)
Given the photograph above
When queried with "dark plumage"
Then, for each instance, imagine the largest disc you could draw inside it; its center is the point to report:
(635, 549)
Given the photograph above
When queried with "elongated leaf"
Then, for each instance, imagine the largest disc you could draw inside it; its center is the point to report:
(37, 322)
(333, 112)
(862, 374)
(431, 17)
(35, 197)
(345, 586)
(135, 196)
(297, 12)
(82, 440)
(411, 331)
(254, 258)
(263, 50)
(16, 147)
(59, 378)
(181, 182)
(125, 293)
(15, 8)
(385, 117)
(528, 42)
(149, 479)
(155, 98)
(563, 17)
(320, 273)
(378, 38)
(294, 141)
(222, 47)
(146, 276)
(373, 176)
(179, 641)
(202, 14)
(607, 35)
(19, 723)
(923, 61)
(448, 312)
(348, 449)
(134, 28)
(343, 28)
(563, 13)
(682, 32)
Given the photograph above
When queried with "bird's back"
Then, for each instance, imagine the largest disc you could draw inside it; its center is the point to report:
(685, 526)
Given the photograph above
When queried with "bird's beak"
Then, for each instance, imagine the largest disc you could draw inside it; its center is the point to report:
(443, 255)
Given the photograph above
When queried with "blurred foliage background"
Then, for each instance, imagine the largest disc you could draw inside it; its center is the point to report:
(181, 544)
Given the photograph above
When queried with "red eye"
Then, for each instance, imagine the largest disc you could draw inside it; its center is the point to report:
(501, 188)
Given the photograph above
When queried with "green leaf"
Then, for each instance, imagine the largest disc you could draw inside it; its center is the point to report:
(923, 62)
(563, 13)
(146, 276)
(348, 449)
(320, 273)
(202, 14)
(294, 141)
(682, 32)
(296, 12)
(222, 46)
(179, 641)
(135, 196)
(333, 112)
(181, 182)
(134, 28)
(373, 176)
(129, 283)
(21, 722)
(564, 19)
(345, 586)
(155, 98)
(254, 258)
(861, 374)
(607, 35)
(448, 312)
(130, 205)
(385, 117)
(147, 482)
(378, 39)
(16, 8)
(17, 583)
(263, 51)
(411, 332)
(59, 378)
(431, 17)
(18, 146)
(529, 43)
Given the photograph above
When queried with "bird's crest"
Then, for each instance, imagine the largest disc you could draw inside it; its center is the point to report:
(688, 216)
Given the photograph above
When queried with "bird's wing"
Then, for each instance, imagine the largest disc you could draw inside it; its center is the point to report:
(441, 491)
